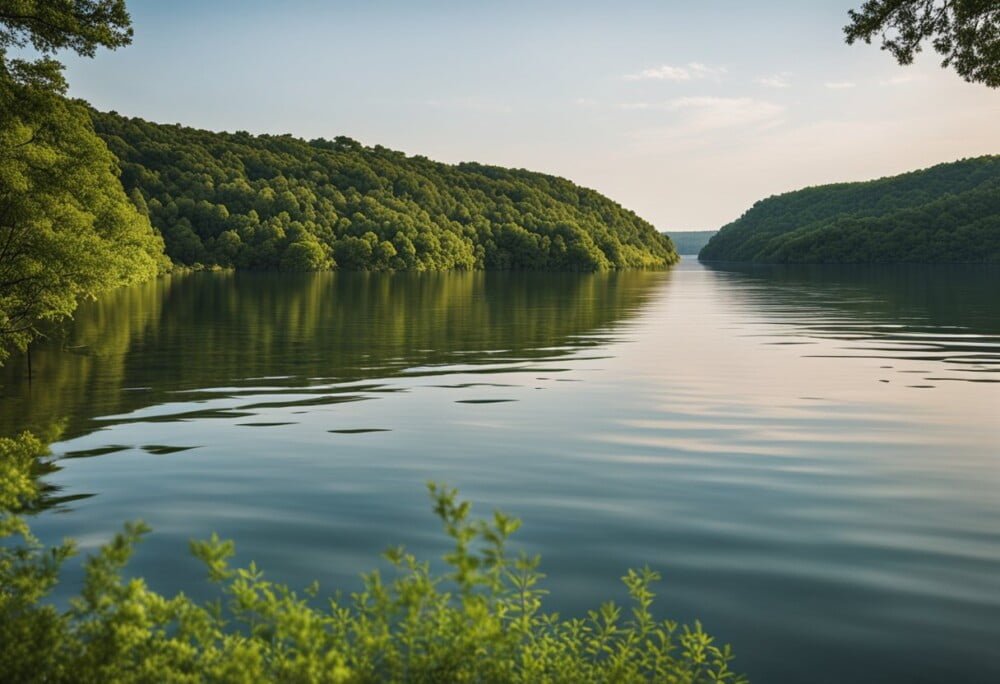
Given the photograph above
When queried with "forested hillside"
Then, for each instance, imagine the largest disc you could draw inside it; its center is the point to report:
(278, 202)
(947, 213)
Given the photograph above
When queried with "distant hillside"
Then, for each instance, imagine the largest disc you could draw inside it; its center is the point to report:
(690, 241)
(947, 213)
(278, 202)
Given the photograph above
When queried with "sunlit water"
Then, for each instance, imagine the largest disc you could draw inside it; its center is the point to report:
(810, 456)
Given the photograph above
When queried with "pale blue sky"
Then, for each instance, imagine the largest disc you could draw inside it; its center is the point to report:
(685, 112)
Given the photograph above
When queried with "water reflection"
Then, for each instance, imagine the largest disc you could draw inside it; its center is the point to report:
(182, 346)
(945, 315)
(776, 440)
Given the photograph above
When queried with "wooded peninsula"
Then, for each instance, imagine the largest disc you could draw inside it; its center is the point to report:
(278, 202)
(947, 213)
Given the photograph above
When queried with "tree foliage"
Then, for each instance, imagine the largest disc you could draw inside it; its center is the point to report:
(67, 229)
(965, 32)
(947, 213)
(273, 202)
(480, 620)
(78, 25)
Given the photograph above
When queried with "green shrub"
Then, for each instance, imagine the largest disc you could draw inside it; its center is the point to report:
(482, 621)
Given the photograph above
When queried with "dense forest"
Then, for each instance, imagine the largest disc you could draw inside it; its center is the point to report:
(278, 202)
(947, 213)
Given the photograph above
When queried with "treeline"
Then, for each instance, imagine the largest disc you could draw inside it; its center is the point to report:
(279, 202)
(947, 213)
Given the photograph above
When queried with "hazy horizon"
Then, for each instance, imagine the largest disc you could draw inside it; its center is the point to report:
(685, 114)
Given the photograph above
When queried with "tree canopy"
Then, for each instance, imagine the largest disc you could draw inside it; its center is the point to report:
(67, 229)
(78, 25)
(947, 213)
(47, 26)
(279, 202)
(965, 32)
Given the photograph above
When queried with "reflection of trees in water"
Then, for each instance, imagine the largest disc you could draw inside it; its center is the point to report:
(79, 362)
(216, 330)
(941, 313)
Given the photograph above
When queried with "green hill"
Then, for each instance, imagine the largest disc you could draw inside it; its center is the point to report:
(947, 213)
(279, 202)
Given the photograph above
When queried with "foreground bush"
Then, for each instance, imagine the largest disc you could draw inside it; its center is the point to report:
(481, 622)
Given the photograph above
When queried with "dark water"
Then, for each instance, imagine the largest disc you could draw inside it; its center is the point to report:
(810, 456)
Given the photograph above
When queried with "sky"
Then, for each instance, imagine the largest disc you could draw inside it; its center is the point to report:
(685, 112)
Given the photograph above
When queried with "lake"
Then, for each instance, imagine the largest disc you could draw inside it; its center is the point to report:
(810, 456)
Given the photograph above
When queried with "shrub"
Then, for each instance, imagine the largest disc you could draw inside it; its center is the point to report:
(482, 621)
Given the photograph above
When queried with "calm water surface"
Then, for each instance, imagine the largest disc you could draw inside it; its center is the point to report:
(811, 456)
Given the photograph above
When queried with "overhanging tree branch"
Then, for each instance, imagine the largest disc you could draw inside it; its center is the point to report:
(966, 33)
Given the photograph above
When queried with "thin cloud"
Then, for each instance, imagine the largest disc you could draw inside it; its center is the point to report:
(710, 113)
(697, 121)
(774, 81)
(666, 72)
(839, 85)
(705, 71)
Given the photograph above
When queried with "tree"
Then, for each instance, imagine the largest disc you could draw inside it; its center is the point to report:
(305, 255)
(67, 228)
(47, 26)
(965, 32)
(78, 25)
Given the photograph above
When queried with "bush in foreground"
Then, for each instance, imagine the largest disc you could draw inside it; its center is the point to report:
(482, 621)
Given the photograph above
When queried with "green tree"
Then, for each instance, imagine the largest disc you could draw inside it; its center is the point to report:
(67, 228)
(50, 25)
(306, 254)
(965, 32)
